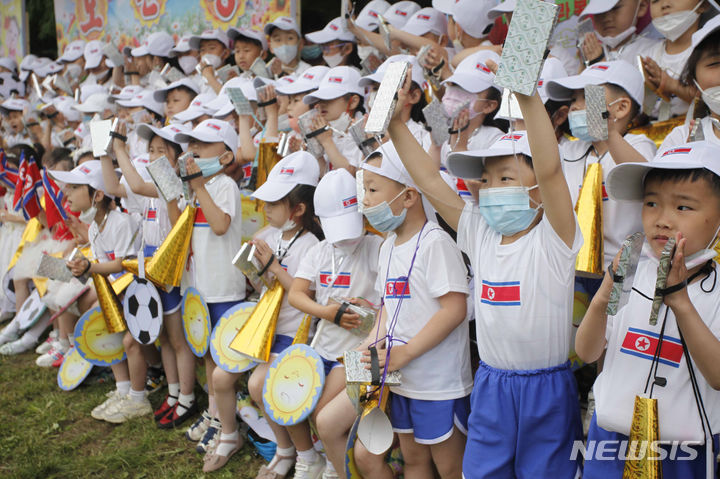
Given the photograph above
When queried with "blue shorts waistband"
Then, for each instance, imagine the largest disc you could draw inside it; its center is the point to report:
(526, 372)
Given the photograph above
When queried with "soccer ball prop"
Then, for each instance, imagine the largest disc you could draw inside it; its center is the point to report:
(31, 310)
(143, 311)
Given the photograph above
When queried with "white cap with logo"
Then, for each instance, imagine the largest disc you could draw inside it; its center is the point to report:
(336, 204)
(299, 168)
(338, 81)
(211, 131)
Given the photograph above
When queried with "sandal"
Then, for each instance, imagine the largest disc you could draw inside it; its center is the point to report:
(266, 473)
(213, 462)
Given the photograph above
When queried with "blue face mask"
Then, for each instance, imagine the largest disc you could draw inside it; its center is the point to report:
(209, 166)
(578, 125)
(382, 218)
(507, 210)
(311, 52)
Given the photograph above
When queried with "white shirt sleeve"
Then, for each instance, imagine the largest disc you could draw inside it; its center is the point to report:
(444, 268)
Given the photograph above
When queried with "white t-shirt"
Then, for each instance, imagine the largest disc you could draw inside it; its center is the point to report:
(354, 277)
(213, 273)
(442, 372)
(290, 318)
(523, 293)
(481, 138)
(674, 66)
(620, 218)
(638, 45)
(631, 343)
(679, 135)
(116, 238)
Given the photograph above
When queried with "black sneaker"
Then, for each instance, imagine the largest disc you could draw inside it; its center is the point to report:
(155, 378)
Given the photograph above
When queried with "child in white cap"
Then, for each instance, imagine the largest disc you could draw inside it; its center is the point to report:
(248, 46)
(214, 48)
(337, 43)
(286, 43)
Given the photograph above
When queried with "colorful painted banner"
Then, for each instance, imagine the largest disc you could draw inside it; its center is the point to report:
(13, 34)
(128, 22)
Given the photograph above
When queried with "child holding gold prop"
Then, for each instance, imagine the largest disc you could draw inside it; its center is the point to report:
(111, 235)
(293, 230)
(343, 266)
(675, 361)
(422, 329)
(216, 233)
(522, 239)
(158, 218)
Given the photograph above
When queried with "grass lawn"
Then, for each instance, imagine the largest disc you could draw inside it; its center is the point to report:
(48, 433)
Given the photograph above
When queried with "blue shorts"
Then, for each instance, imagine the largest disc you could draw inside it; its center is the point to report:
(281, 343)
(218, 309)
(329, 365)
(522, 424)
(430, 422)
(613, 468)
(171, 301)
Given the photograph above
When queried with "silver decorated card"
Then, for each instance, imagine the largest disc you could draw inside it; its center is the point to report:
(166, 180)
(386, 98)
(625, 273)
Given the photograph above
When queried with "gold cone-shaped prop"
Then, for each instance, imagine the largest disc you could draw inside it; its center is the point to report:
(589, 212)
(30, 233)
(643, 461)
(131, 265)
(255, 338)
(119, 285)
(109, 303)
(267, 158)
(167, 264)
(303, 333)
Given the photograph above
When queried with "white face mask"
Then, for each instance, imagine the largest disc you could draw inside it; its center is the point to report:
(212, 60)
(711, 97)
(365, 51)
(286, 53)
(333, 60)
(614, 42)
(187, 64)
(457, 43)
(288, 226)
(673, 25)
(88, 216)
(342, 123)
(371, 99)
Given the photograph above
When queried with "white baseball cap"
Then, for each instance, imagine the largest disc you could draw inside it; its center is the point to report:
(471, 164)
(307, 81)
(710, 26)
(598, 6)
(90, 89)
(335, 30)
(427, 20)
(89, 173)
(65, 105)
(473, 74)
(399, 14)
(157, 44)
(126, 93)
(49, 68)
(626, 181)
(169, 133)
(336, 204)
(444, 6)
(95, 103)
(93, 54)
(337, 82)
(246, 84)
(161, 94)
(183, 46)
(472, 16)
(552, 69)
(145, 99)
(506, 6)
(283, 23)
(240, 33)
(198, 107)
(9, 63)
(212, 131)
(417, 71)
(299, 168)
(214, 34)
(72, 52)
(619, 72)
(14, 104)
(368, 16)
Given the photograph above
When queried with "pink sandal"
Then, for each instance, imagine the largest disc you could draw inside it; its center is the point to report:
(213, 462)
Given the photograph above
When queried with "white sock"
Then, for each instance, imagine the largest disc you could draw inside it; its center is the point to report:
(54, 333)
(137, 396)
(184, 402)
(308, 457)
(123, 387)
(12, 328)
(63, 344)
(223, 449)
(173, 391)
(282, 466)
(329, 466)
(212, 407)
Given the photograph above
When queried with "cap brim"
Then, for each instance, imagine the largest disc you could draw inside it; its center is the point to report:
(140, 51)
(273, 191)
(470, 83)
(146, 132)
(597, 7)
(471, 164)
(327, 93)
(625, 181)
(69, 178)
(189, 115)
(294, 88)
(342, 227)
(563, 88)
(93, 63)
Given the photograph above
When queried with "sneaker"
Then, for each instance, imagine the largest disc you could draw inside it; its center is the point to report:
(126, 409)
(160, 412)
(99, 411)
(173, 419)
(309, 471)
(48, 359)
(330, 474)
(46, 345)
(58, 362)
(8, 337)
(195, 432)
(154, 379)
(207, 440)
(15, 347)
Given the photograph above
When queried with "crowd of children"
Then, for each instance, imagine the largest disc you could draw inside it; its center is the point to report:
(464, 244)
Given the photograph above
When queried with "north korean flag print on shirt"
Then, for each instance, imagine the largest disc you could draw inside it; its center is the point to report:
(643, 344)
(342, 280)
(501, 294)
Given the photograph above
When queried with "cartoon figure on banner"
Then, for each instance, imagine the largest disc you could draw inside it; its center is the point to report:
(221, 12)
(148, 12)
(12, 37)
(91, 17)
